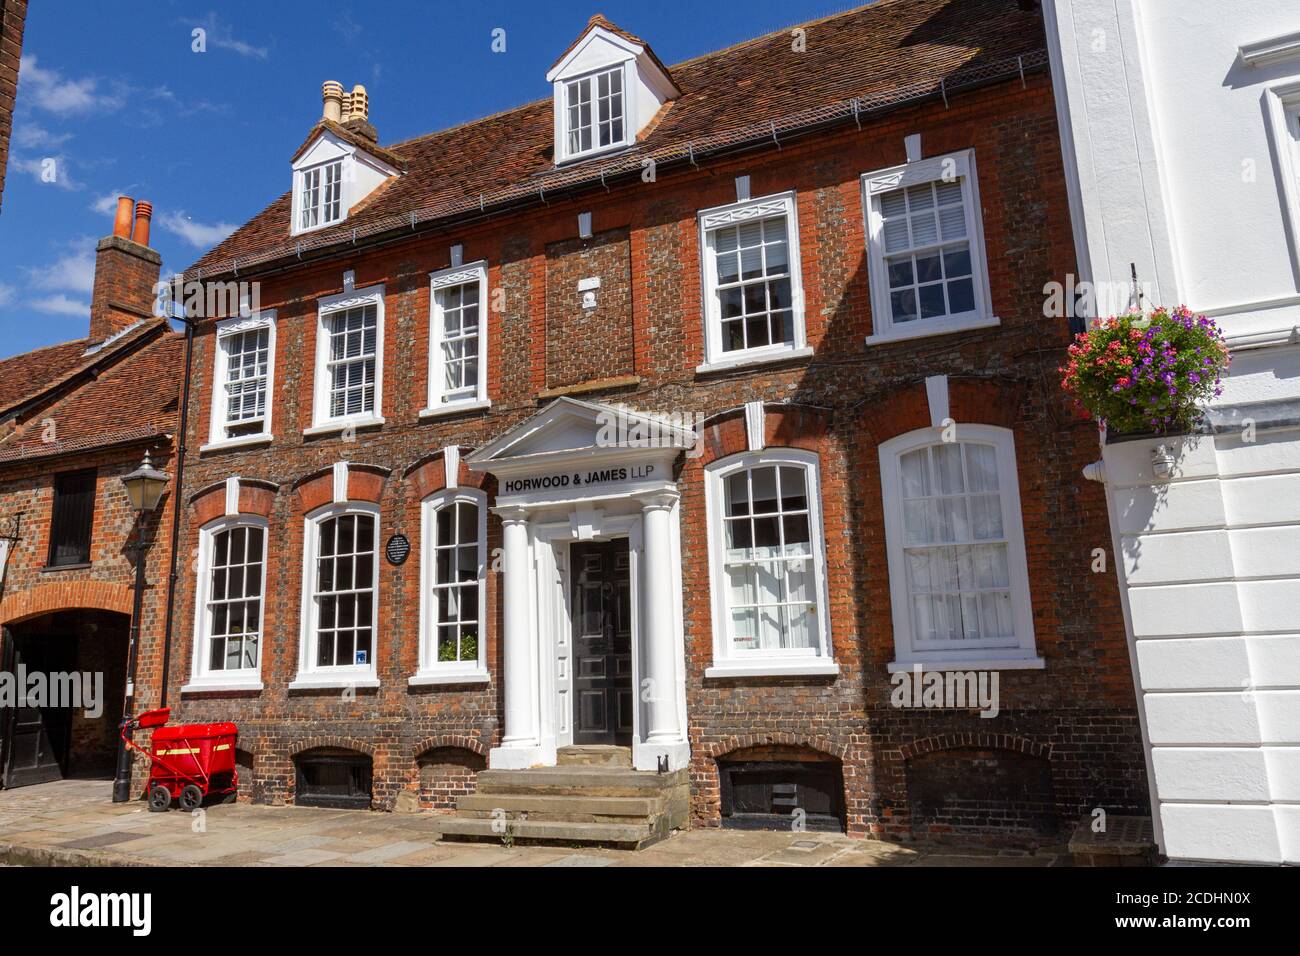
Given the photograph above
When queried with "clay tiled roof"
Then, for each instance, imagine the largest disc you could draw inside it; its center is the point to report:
(136, 398)
(26, 377)
(856, 65)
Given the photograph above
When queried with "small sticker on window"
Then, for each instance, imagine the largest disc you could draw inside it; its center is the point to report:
(361, 657)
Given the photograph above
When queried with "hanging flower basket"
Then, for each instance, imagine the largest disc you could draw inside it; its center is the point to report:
(1147, 373)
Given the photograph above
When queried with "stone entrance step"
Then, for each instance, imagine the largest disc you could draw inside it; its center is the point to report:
(594, 755)
(628, 836)
(574, 804)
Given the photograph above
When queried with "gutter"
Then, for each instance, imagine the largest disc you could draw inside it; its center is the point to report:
(561, 183)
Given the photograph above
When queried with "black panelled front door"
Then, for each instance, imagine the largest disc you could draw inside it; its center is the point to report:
(602, 643)
(36, 744)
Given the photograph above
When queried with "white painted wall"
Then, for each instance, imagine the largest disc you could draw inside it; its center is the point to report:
(1210, 563)
(1174, 163)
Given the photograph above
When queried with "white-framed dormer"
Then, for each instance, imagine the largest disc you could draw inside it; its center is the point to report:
(348, 388)
(243, 380)
(458, 340)
(330, 176)
(608, 86)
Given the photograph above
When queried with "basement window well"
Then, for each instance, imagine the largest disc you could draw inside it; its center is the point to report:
(337, 779)
(766, 794)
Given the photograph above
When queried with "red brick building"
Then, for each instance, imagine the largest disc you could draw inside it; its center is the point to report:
(432, 537)
(13, 15)
(74, 418)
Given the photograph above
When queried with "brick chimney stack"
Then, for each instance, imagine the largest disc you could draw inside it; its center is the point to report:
(126, 271)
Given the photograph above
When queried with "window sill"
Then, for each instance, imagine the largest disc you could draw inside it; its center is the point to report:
(222, 687)
(333, 683)
(973, 664)
(243, 441)
(81, 566)
(794, 667)
(334, 427)
(904, 333)
(765, 358)
(455, 408)
(437, 678)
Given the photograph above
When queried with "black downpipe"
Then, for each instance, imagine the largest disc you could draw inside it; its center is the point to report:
(182, 438)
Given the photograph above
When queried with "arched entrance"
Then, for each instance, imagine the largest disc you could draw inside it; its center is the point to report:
(62, 684)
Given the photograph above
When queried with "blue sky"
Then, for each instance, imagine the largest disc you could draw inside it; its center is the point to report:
(115, 95)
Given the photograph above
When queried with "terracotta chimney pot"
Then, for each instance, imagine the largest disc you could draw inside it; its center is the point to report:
(143, 213)
(122, 221)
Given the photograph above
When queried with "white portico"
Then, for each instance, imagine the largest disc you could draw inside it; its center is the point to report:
(573, 477)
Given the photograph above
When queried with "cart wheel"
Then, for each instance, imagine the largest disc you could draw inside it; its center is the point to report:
(159, 799)
(191, 798)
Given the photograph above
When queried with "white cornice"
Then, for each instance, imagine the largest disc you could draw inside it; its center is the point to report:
(1272, 50)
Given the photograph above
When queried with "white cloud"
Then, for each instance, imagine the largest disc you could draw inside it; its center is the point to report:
(106, 205)
(48, 170)
(6, 293)
(221, 37)
(29, 135)
(198, 234)
(49, 90)
(73, 272)
(60, 304)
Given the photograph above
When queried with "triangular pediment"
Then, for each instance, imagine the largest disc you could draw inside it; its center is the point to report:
(569, 427)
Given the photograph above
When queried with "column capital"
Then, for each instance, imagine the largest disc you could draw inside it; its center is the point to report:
(660, 500)
(512, 514)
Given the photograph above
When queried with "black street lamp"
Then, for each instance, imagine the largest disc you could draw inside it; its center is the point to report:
(144, 486)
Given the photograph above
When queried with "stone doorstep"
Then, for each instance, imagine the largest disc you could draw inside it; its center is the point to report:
(622, 835)
(576, 804)
(594, 755)
(1126, 841)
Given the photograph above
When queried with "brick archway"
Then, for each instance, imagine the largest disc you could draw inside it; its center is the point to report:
(446, 741)
(342, 743)
(1012, 742)
(54, 596)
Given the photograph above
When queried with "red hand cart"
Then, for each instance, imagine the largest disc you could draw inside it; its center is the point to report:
(189, 762)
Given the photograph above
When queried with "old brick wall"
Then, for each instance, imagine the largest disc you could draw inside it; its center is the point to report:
(56, 598)
(842, 402)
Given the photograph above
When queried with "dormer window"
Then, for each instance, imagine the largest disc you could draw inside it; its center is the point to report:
(608, 87)
(321, 202)
(341, 162)
(595, 111)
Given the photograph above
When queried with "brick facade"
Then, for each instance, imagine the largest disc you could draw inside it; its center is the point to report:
(1071, 728)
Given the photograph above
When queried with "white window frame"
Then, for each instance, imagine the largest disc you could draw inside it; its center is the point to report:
(627, 72)
(322, 421)
(727, 660)
(1282, 104)
(431, 670)
(320, 170)
(934, 169)
(202, 677)
(237, 325)
(1017, 654)
(720, 217)
(439, 280)
(311, 674)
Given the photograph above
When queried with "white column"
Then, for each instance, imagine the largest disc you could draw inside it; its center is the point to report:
(659, 601)
(518, 670)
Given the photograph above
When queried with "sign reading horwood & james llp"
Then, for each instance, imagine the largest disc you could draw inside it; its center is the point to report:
(578, 479)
